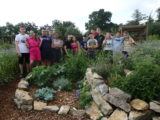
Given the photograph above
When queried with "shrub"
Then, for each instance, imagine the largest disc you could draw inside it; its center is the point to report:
(62, 84)
(85, 95)
(6, 46)
(8, 67)
(46, 94)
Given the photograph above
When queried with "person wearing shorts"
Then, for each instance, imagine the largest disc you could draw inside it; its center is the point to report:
(45, 47)
(22, 50)
(33, 44)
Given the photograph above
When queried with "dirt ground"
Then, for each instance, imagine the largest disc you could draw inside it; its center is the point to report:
(8, 110)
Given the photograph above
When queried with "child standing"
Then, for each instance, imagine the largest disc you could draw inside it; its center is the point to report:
(33, 45)
(75, 46)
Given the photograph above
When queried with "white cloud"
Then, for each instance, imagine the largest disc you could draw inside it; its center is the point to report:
(44, 11)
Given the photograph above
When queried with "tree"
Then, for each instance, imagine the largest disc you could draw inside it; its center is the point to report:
(137, 18)
(100, 19)
(158, 14)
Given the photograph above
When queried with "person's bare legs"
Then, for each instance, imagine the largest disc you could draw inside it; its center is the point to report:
(49, 63)
(31, 64)
(21, 68)
(28, 67)
(44, 62)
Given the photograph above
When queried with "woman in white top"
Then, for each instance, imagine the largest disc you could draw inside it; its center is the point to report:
(107, 44)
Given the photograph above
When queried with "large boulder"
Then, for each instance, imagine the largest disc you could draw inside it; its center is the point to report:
(103, 89)
(103, 105)
(155, 106)
(94, 112)
(136, 115)
(64, 109)
(118, 115)
(138, 104)
(39, 106)
(118, 102)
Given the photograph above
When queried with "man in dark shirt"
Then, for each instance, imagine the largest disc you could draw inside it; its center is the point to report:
(67, 45)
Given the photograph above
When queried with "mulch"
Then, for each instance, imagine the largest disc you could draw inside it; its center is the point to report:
(9, 111)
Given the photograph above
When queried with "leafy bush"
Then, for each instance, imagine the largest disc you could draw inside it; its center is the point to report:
(46, 94)
(6, 46)
(62, 84)
(85, 95)
(153, 37)
(8, 67)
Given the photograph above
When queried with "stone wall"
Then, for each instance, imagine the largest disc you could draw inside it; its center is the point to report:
(114, 104)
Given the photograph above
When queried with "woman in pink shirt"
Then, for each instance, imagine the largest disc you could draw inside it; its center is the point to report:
(75, 46)
(33, 44)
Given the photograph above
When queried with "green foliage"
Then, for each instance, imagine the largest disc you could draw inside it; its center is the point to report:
(153, 37)
(8, 67)
(62, 84)
(76, 68)
(85, 95)
(46, 94)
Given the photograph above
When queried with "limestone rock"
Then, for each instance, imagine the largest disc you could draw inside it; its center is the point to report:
(138, 104)
(119, 94)
(39, 105)
(135, 115)
(94, 112)
(53, 108)
(118, 102)
(103, 89)
(155, 106)
(156, 118)
(127, 72)
(78, 113)
(104, 106)
(118, 115)
(104, 118)
(64, 109)
(23, 84)
(26, 107)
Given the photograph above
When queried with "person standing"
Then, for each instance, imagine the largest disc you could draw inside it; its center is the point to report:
(57, 45)
(92, 45)
(84, 44)
(67, 45)
(33, 44)
(22, 50)
(75, 47)
(45, 47)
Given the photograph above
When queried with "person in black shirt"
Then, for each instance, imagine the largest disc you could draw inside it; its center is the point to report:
(68, 44)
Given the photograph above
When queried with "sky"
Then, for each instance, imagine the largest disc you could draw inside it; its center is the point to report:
(43, 12)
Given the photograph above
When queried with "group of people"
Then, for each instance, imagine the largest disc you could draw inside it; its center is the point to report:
(49, 48)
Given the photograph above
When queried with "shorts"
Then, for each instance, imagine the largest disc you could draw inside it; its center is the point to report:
(24, 58)
(47, 54)
(56, 55)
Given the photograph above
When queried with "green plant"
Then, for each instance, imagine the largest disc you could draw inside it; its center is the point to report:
(62, 84)
(6, 46)
(46, 94)
(85, 95)
(8, 67)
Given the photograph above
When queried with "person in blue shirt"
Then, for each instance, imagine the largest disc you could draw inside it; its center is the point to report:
(45, 47)
(84, 44)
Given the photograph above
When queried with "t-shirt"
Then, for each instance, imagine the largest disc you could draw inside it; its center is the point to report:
(91, 42)
(109, 45)
(21, 39)
(46, 43)
(118, 44)
(68, 44)
(84, 44)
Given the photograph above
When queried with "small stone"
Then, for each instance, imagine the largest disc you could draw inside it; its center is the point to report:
(103, 89)
(78, 113)
(138, 104)
(118, 115)
(64, 109)
(135, 115)
(104, 106)
(53, 108)
(23, 84)
(119, 94)
(104, 118)
(156, 118)
(26, 107)
(118, 102)
(39, 105)
(127, 72)
(155, 106)
(94, 112)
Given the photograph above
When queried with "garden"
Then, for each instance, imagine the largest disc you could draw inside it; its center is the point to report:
(65, 84)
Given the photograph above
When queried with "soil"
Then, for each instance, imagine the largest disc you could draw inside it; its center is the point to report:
(9, 111)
